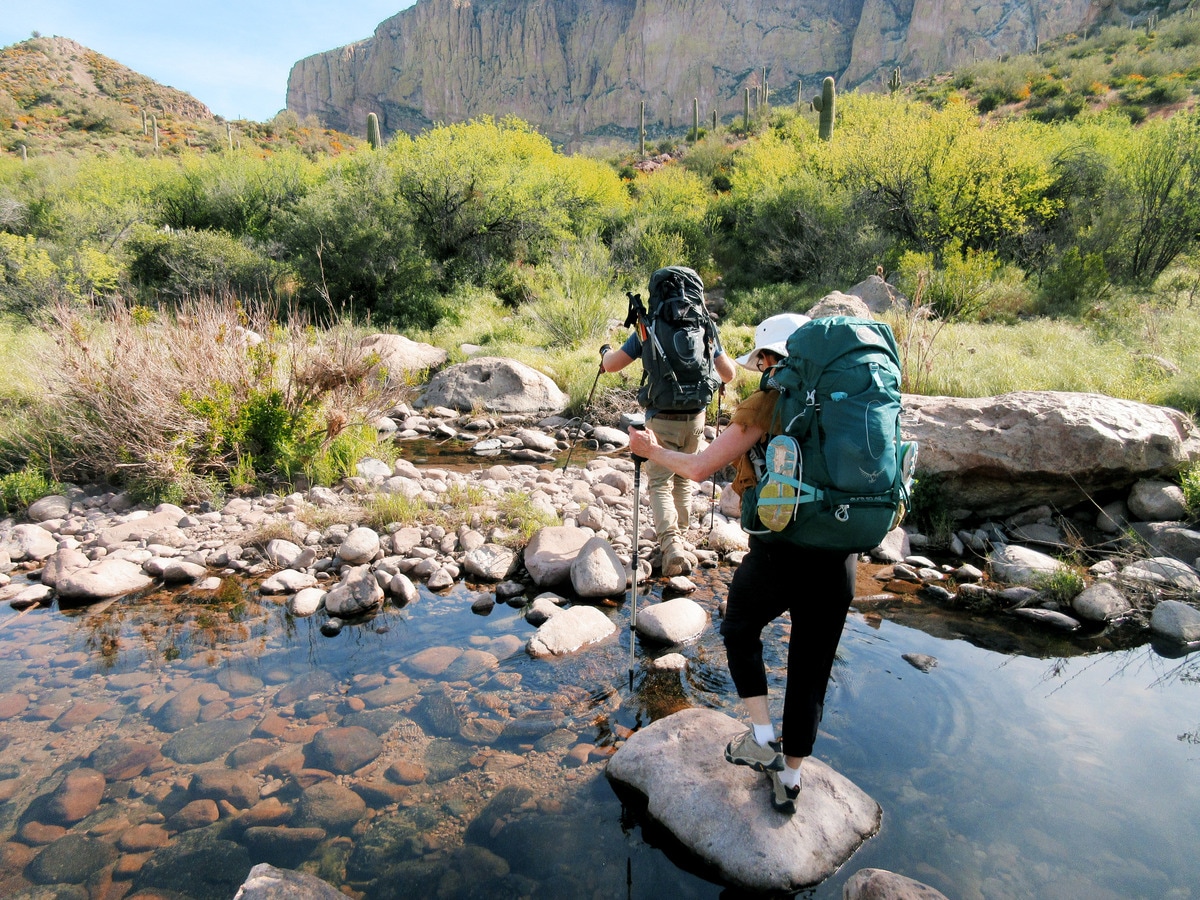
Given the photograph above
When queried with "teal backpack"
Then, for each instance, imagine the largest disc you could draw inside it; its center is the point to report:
(844, 479)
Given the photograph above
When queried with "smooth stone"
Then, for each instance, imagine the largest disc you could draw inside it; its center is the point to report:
(360, 546)
(570, 630)
(672, 621)
(71, 859)
(719, 811)
(358, 592)
(76, 797)
(1176, 620)
(597, 571)
(1014, 564)
(101, 580)
(306, 602)
(880, 884)
(343, 750)
(331, 806)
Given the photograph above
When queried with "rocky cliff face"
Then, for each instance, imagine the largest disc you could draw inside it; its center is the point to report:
(578, 68)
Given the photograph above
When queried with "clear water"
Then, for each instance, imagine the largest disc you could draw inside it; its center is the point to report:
(1022, 765)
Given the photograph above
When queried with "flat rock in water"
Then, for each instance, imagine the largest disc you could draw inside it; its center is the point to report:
(107, 578)
(672, 621)
(723, 812)
(880, 884)
(570, 630)
(1014, 564)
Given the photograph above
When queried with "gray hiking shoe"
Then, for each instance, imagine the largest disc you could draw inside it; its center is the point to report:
(677, 561)
(783, 798)
(744, 750)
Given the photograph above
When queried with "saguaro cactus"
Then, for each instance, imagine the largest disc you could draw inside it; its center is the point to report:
(373, 137)
(825, 106)
(642, 128)
(894, 81)
(746, 110)
(695, 118)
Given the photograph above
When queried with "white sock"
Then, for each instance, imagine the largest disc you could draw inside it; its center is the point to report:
(764, 734)
(790, 777)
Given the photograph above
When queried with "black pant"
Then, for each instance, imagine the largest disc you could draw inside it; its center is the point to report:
(817, 586)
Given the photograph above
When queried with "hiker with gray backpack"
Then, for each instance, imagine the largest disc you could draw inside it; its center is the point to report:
(823, 476)
(683, 366)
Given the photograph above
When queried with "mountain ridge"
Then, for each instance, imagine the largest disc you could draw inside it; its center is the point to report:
(578, 69)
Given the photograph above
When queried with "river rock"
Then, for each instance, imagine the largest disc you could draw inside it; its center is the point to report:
(288, 581)
(54, 506)
(672, 621)
(373, 469)
(496, 384)
(75, 798)
(282, 553)
(360, 546)
(402, 589)
(597, 571)
(343, 750)
(1014, 564)
(306, 602)
(107, 578)
(358, 592)
(491, 562)
(71, 860)
(550, 552)
(1101, 602)
(570, 630)
(221, 784)
(727, 537)
(265, 882)
(199, 864)
(120, 759)
(536, 440)
(180, 571)
(208, 740)
(880, 884)
(1170, 539)
(1177, 621)
(30, 542)
(999, 455)
(1154, 500)
(723, 813)
(399, 357)
(63, 563)
(1162, 570)
(331, 806)
(166, 516)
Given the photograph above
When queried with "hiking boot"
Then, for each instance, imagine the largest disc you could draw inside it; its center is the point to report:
(783, 798)
(677, 561)
(744, 750)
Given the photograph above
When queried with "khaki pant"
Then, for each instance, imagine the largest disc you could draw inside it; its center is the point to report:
(671, 494)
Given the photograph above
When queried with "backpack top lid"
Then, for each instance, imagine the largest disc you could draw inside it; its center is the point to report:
(823, 340)
(672, 282)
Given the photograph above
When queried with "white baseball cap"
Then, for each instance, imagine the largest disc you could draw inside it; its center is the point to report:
(772, 334)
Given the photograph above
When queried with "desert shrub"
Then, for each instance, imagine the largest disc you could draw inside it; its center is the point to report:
(29, 278)
(176, 264)
(673, 202)
(749, 306)
(1072, 286)
(238, 193)
(171, 403)
(351, 241)
(1190, 483)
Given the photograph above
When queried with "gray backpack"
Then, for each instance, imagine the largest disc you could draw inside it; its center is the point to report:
(678, 373)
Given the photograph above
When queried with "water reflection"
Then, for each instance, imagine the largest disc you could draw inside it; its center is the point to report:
(1023, 764)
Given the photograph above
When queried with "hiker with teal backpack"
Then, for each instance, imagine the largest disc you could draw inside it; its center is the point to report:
(822, 475)
(683, 365)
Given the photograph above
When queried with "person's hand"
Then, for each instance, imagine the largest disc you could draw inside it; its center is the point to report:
(641, 441)
(604, 348)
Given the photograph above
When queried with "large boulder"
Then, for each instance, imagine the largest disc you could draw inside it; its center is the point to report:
(998, 455)
(497, 385)
(723, 813)
(550, 552)
(399, 357)
(877, 294)
(110, 577)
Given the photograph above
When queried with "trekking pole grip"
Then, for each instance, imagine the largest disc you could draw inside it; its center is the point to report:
(637, 426)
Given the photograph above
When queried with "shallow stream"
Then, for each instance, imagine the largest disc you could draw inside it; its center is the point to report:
(1021, 765)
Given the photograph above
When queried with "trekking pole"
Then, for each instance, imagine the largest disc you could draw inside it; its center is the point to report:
(586, 406)
(633, 559)
(712, 506)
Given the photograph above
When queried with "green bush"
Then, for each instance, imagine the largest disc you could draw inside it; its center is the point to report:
(19, 489)
(1074, 285)
(177, 264)
(1190, 483)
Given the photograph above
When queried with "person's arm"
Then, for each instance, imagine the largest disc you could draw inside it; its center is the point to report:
(725, 368)
(615, 360)
(731, 443)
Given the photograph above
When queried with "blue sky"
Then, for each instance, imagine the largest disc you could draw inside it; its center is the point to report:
(232, 55)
